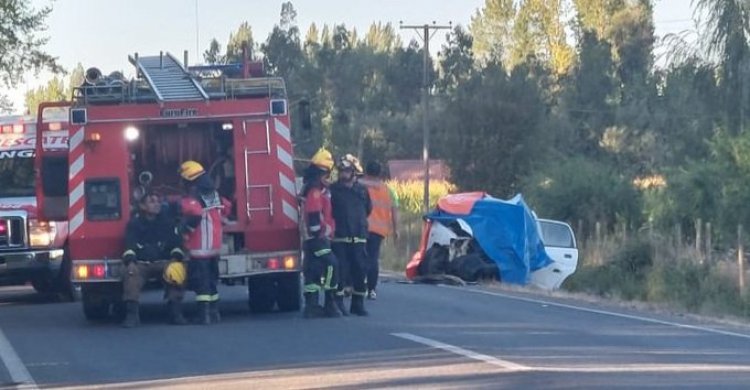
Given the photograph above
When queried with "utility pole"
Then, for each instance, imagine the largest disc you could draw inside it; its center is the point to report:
(426, 29)
(197, 35)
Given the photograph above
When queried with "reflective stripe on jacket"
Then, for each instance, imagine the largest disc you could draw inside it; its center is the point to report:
(204, 241)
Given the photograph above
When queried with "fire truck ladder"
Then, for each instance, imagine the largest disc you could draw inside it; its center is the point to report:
(169, 80)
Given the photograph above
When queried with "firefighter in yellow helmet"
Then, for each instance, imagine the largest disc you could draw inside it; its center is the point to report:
(320, 265)
(152, 247)
(203, 212)
(351, 207)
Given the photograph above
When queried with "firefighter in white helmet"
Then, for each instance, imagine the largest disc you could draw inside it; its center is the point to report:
(203, 212)
(150, 242)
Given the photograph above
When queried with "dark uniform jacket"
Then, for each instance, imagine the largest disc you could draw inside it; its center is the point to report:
(351, 207)
(152, 239)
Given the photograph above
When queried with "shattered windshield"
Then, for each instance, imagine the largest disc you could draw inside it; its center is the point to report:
(16, 173)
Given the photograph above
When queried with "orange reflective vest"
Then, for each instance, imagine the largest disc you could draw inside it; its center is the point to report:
(380, 220)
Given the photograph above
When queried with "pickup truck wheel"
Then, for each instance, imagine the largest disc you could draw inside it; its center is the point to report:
(63, 285)
(95, 305)
(43, 285)
(261, 290)
(289, 296)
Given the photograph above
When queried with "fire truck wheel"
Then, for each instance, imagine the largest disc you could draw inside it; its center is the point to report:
(95, 305)
(261, 291)
(289, 292)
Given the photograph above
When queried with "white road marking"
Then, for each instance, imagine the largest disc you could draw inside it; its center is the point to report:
(463, 352)
(18, 372)
(604, 312)
(617, 368)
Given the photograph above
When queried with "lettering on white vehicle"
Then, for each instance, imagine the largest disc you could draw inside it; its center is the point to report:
(7, 154)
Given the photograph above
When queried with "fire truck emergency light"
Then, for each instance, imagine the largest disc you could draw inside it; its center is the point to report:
(131, 133)
(227, 126)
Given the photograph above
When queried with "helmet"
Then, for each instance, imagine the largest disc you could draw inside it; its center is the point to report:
(323, 159)
(191, 170)
(175, 273)
(350, 162)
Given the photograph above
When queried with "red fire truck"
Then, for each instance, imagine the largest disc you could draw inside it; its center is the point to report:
(31, 249)
(130, 136)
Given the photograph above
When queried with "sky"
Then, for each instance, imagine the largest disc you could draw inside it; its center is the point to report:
(103, 33)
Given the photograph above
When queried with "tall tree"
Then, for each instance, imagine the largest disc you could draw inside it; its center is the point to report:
(382, 37)
(456, 60)
(492, 130)
(239, 40)
(213, 54)
(57, 89)
(288, 16)
(492, 28)
(727, 26)
(596, 15)
(52, 92)
(539, 32)
(20, 44)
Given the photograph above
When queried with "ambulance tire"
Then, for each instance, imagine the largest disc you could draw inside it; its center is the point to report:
(63, 283)
(289, 294)
(261, 290)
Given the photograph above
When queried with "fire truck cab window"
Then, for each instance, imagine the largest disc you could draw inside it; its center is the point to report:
(103, 200)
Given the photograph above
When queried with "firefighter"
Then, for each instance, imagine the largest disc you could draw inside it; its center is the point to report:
(320, 265)
(149, 241)
(203, 215)
(351, 207)
(383, 221)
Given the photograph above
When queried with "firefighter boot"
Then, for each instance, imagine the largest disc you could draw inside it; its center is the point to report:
(214, 312)
(330, 308)
(312, 307)
(132, 316)
(175, 313)
(339, 300)
(358, 305)
(204, 314)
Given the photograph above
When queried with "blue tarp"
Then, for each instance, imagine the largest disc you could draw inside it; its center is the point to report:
(508, 234)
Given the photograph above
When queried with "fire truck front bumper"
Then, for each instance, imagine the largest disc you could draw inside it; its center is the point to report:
(21, 266)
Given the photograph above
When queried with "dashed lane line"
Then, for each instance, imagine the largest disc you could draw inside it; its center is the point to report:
(507, 365)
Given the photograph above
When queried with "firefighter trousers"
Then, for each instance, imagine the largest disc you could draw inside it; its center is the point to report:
(320, 269)
(352, 258)
(203, 278)
(139, 272)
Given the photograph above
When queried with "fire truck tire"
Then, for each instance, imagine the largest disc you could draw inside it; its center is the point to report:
(261, 290)
(289, 297)
(95, 304)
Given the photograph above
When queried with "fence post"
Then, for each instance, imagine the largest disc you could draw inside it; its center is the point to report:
(699, 238)
(741, 258)
(708, 242)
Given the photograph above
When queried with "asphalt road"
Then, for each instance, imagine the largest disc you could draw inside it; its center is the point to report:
(417, 336)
